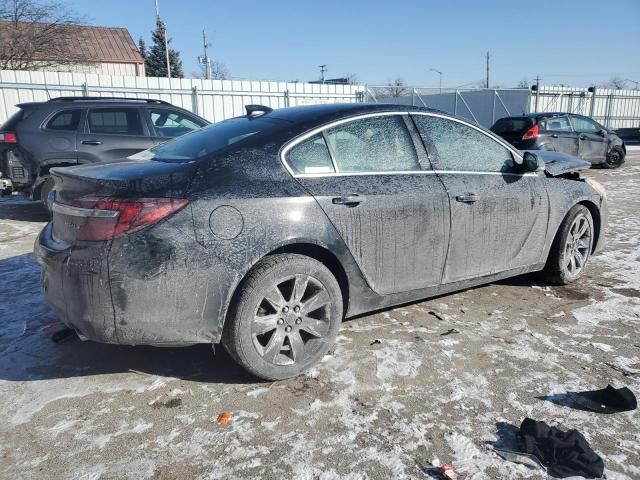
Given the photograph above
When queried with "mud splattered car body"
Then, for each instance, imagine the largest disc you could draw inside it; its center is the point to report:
(424, 217)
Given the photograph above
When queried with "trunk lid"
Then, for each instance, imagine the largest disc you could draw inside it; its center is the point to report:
(123, 180)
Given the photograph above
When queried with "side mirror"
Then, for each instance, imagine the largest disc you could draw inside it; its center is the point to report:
(603, 132)
(532, 163)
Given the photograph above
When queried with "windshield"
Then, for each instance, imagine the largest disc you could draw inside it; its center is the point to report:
(210, 139)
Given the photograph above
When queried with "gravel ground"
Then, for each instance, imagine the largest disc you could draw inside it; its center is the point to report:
(437, 381)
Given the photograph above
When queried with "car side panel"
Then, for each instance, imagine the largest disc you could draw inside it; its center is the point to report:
(563, 195)
(504, 229)
(188, 267)
(399, 234)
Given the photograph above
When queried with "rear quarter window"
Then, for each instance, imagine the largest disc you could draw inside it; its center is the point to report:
(67, 120)
(508, 125)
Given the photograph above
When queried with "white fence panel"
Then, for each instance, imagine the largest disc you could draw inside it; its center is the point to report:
(214, 100)
(612, 108)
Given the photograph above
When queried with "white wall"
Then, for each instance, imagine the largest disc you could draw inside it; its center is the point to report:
(612, 108)
(214, 100)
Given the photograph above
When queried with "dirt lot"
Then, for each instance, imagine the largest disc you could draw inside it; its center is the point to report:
(437, 381)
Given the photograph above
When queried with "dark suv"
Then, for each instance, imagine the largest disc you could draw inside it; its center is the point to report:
(573, 134)
(74, 130)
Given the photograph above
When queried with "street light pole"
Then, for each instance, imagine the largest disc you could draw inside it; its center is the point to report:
(439, 73)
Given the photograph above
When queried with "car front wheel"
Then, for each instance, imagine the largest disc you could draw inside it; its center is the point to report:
(285, 318)
(571, 248)
(615, 158)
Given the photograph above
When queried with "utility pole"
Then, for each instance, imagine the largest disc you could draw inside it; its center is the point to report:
(488, 57)
(439, 73)
(205, 60)
(323, 69)
(166, 39)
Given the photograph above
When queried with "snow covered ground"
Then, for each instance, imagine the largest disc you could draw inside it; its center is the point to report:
(396, 394)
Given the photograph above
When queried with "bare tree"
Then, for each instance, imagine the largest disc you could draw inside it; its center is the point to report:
(396, 88)
(616, 83)
(36, 34)
(219, 71)
(524, 83)
(352, 79)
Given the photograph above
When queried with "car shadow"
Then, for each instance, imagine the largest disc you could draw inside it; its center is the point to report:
(19, 208)
(28, 353)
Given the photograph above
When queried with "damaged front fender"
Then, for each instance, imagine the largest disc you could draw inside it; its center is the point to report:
(557, 164)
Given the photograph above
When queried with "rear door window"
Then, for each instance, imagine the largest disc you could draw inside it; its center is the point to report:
(171, 123)
(120, 121)
(66, 120)
(376, 144)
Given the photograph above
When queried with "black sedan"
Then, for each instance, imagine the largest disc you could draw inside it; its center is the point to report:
(568, 133)
(264, 231)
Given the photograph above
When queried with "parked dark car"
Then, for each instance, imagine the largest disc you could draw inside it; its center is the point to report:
(265, 231)
(569, 133)
(75, 130)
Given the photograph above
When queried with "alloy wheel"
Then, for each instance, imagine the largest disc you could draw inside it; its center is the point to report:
(578, 245)
(291, 320)
(614, 157)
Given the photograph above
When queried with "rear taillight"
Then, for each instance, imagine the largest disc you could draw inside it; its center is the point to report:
(106, 218)
(8, 137)
(532, 133)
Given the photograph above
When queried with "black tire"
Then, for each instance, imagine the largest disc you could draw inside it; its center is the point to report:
(273, 328)
(571, 248)
(615, 158)
(45, 189)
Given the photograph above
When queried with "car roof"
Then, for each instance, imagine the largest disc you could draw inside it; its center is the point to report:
(318, 114)
(540, 114)
(84, 101)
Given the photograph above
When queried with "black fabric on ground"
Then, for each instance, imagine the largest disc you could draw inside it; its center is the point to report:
(607, 400)
(565, 454)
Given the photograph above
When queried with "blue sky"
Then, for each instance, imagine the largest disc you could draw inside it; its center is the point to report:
(569, 41)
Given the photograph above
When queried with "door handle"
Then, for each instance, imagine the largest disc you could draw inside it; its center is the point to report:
(583, 137)
(468, 198)
(554, 135)
(349, 200)
(91, 142)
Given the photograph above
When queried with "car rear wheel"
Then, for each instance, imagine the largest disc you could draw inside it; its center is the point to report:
(571, 248)
(45, 190)
(285, 318)
(615, 158)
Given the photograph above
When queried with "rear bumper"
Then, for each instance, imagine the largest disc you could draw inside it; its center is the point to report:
(136, 290)
(75, 284)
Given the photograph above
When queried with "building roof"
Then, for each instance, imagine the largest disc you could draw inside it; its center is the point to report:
(93, 45)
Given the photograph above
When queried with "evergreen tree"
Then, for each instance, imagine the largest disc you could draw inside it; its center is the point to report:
(142, 49)
(156, 58)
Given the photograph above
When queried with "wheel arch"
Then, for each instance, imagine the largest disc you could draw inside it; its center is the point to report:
(43, 174)
(309, 249)
(597, 221)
